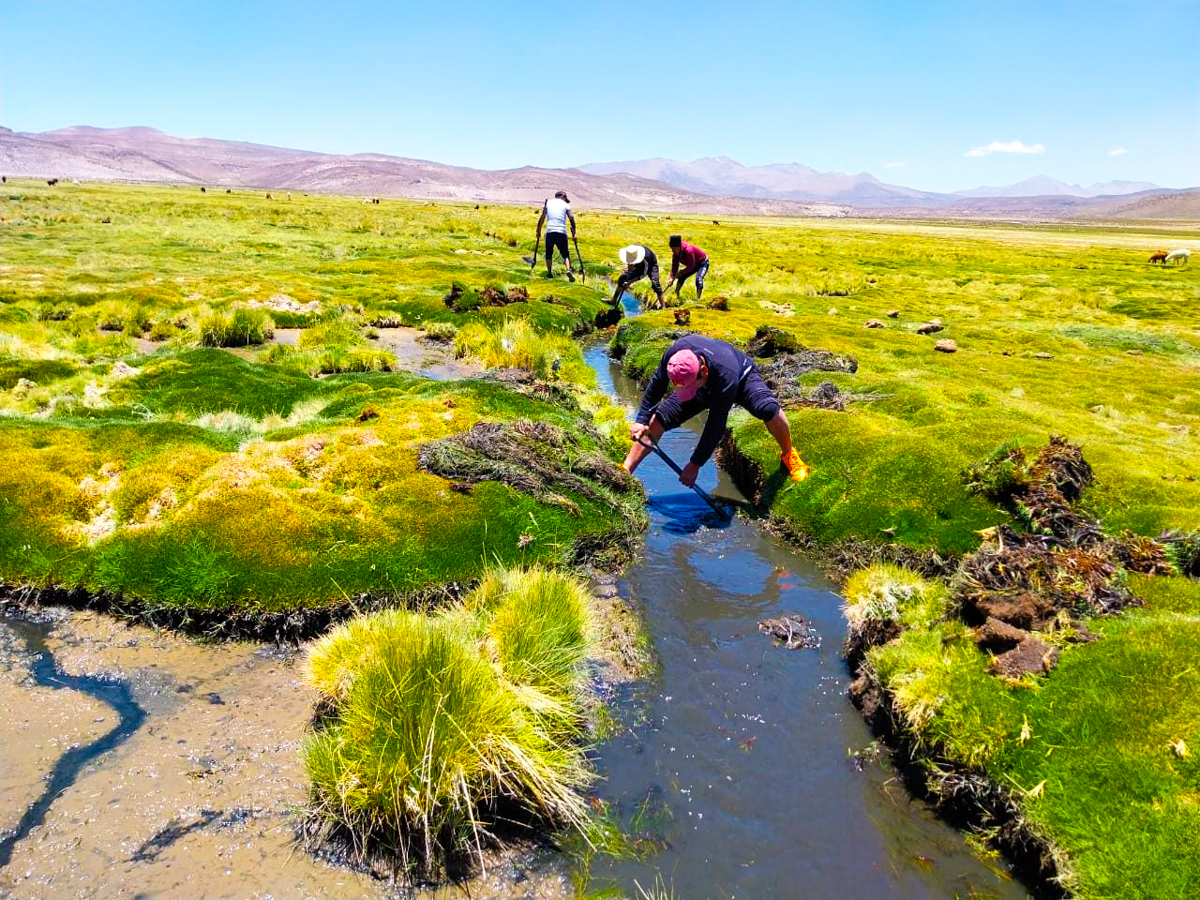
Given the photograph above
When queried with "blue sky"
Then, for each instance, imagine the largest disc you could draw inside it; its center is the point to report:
(903, 90)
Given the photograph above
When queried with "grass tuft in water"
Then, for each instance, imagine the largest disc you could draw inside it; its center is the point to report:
(448, 728)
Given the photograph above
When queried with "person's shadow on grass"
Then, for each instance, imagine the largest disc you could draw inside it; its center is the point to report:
(771, 486)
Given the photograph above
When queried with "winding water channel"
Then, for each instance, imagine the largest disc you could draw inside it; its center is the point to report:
(148, 764)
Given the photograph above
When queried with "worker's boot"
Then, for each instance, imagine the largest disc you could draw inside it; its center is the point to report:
(796, 467)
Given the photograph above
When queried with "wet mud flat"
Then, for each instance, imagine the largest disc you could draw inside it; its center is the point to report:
(191, 781)
(201, 799)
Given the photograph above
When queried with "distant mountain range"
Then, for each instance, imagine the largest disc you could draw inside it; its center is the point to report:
(783, 181)
(1044, 186)
(715, 185)
(793, 181)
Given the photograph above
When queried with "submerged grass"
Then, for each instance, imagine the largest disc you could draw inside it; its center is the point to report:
(447, 729)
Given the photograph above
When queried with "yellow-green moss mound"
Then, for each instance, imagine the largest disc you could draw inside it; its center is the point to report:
(201, 482)
(448, 729)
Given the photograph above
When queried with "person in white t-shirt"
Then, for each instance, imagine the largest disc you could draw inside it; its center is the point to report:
(555, 213)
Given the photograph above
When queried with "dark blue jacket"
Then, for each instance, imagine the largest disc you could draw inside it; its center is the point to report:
(727, 367)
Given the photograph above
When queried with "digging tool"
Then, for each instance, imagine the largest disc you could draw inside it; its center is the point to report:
(536, 244)
(723, 513)
(582, 270)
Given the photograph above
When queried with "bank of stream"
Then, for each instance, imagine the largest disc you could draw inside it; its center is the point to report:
(739, 759)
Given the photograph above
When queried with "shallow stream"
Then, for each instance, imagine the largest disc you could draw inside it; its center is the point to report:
(739, 758)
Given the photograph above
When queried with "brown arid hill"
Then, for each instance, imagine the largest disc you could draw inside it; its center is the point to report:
(148, 155)
(1182, 206)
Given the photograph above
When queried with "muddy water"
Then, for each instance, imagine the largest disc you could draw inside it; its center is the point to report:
(738, 758)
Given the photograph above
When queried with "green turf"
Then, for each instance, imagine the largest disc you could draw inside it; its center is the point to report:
(223, 484)
(1100, 754)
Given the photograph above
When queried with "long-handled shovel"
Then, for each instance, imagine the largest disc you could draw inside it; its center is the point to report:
(720, 511)
(582, 270)
(536, 244)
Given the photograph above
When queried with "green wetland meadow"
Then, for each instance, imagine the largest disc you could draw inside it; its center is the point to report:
(207, 424)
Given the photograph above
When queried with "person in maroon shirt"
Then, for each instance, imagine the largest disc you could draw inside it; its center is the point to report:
(695, 262)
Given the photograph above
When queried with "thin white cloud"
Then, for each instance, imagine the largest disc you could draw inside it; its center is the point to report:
(1117, 151)
(1010, 147)
(893, 165)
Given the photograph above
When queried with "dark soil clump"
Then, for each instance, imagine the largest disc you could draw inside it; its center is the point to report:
(1064, 563)
(793, 632)
(871, 633)
(998, 636)
(1032, 656)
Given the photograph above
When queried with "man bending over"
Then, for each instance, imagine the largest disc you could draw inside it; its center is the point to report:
(708, 373)
(640, 262)
(694, 260)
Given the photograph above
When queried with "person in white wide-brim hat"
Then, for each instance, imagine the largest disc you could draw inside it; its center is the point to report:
(640, 262)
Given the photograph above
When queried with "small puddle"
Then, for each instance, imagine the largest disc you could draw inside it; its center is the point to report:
(737, 760)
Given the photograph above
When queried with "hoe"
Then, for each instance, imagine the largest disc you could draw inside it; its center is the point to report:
(704, 495)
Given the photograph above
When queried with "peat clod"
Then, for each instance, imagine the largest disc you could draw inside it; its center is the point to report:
(1142, 555)
(873, 632)
(465, 299)
(719, 303)
(533, 457)
(793, 632)
(1030, 657)
(1064, 562)
(1039, 494)
(770, 341)
(1027, 579)
(998, 636)
(1183, 549)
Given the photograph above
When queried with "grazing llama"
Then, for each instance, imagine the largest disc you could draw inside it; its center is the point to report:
(1182, 256)
(1158, 256)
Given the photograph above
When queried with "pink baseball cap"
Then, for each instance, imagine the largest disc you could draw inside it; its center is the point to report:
(683, 368)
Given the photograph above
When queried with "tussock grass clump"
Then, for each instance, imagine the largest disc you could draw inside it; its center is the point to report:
(515, 344)
(447, 727)
(441, 331)
(540, 629)
(234, 328)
